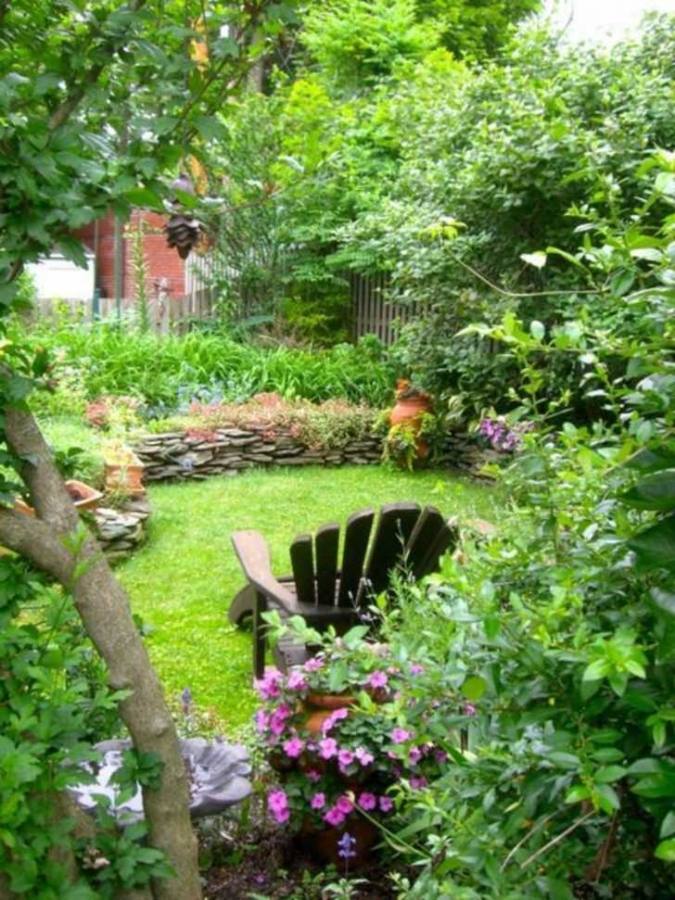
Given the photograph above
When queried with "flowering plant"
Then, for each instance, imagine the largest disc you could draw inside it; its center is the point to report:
(501, 436)
(341, 764)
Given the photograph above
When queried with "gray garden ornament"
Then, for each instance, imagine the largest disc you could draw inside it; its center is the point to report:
(217, 777)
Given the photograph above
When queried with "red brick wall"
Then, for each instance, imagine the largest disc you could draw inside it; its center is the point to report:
(162, 262)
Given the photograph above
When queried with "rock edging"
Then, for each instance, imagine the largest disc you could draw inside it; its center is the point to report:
(121, 531)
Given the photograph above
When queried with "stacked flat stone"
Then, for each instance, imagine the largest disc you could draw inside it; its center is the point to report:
(120, 531)
(177, 455)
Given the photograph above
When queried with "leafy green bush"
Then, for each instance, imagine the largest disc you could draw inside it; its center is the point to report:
(556, 637)
(167, 373)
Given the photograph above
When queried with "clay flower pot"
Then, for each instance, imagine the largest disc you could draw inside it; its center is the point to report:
(411, 405)
(127, 478)
(83, 496)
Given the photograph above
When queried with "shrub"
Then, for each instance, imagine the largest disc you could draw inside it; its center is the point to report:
(332, 424)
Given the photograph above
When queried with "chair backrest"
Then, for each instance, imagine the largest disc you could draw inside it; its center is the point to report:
(404, 534)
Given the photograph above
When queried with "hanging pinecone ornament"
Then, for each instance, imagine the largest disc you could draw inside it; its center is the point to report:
(183, 232)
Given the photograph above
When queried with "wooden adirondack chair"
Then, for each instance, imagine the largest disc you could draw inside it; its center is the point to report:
(324, 593)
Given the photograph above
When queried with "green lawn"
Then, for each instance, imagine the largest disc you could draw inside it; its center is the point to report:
(182, 582)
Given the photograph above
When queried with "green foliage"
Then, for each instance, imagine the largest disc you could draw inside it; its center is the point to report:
(54, 704)
(210, 367)
(359, 42)
(559, 631)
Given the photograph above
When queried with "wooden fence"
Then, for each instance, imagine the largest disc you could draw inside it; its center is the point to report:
(373, 313)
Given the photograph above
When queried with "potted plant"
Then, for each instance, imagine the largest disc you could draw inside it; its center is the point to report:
(410, 423)
(123, 470)
(334, 731)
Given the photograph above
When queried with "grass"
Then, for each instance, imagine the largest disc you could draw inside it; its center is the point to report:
(182, 582)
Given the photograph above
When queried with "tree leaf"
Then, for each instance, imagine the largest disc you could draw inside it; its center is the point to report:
(474, 687)
(654, 492)
(654, 547)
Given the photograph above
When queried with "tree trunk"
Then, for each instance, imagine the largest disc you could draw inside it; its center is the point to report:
(55, 542)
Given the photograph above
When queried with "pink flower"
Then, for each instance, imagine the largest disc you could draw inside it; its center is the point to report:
(262, 720)
(378, 680)
(293, 747)
(313, 664)
(277, 805)
(345, 758)
(318, 801)
(334, 816)
(400, 735)
(334, 717)
(269, 685)
(416, 669)
(328, 748)
(440, 756)
(278, 718)
(363, 756)
(386, 804)
(344, 804)
(415, 755)
(367, 801)
(417, 782)
(313, 775)
(296, 682)
(469, 709)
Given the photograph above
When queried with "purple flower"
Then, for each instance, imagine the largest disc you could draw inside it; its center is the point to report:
(269, 686)
(363, 756)
(313, 775)
(293, 747)
(345, 758)
(378, 680)
(416, 669)
(296, 682)
(334, 816)
(386, 804)
(346, 845)
(400, 735)
(313, 664)
(469, 709)
(417, 782)
(332, 719)
(344, 804)
(278, 718)
(440, 756)
(415, 755)
(186, 701)
(328, 748)
(318, 801)
(262, 721)
(367, 801)
(277, 804)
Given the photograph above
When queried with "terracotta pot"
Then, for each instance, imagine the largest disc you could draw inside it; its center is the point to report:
(410, 410)
(320, 706)
(83, 496)
(127, 478)
(325, 842)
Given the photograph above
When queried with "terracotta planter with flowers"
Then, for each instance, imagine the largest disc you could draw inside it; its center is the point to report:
(123, 470)
(84, 497)
(407, 416)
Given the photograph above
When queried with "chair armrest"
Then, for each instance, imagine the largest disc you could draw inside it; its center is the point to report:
(253, 554)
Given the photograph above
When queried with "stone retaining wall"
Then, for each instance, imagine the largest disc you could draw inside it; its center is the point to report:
(180, 455)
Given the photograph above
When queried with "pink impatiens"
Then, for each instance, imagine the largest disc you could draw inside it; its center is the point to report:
(328, 748)
(367, 801)
(378, 680)
(400, 735)
(318, 801)
(269, 686)
(277, 804)
(293, 747)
